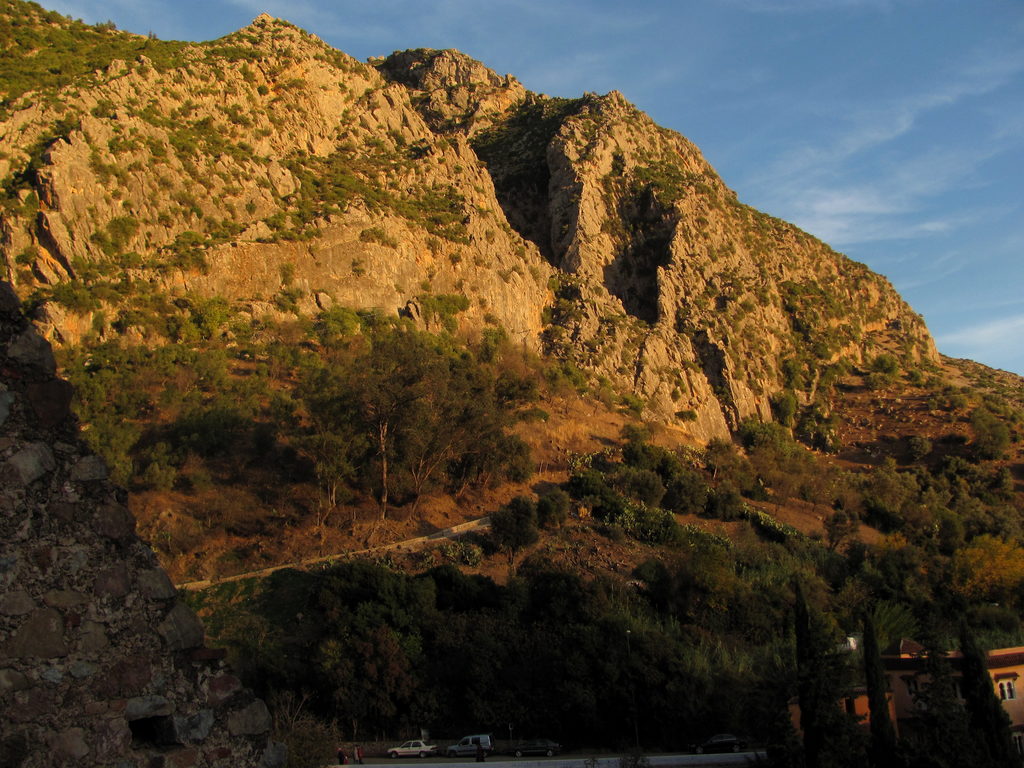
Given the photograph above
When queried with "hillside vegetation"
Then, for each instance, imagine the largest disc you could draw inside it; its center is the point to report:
(313, 306)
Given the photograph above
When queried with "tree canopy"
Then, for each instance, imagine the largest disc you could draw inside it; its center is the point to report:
(416, 413)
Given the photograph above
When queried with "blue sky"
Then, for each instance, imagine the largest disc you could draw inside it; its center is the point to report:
(891, 129)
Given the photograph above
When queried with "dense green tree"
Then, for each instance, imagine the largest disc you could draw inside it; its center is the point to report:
(333, 463)
(553, 508)
(887, 495)
(681, 488)
(386, 393)
(840, 526)
(991, 435)
(784, 407)
(942, 738)
(416, 411)
(817, 694)
(892, 622)
(514, 527)
(643, 485)
(918, 447)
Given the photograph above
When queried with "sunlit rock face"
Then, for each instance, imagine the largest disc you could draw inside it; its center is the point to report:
(276, 173)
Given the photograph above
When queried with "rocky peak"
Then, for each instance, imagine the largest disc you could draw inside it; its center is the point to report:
(453, 91)
(428, 69)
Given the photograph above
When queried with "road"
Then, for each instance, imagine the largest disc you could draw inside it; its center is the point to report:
(753, 757)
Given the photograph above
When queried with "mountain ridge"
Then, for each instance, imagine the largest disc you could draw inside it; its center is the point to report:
(604, 240)
(309, 306)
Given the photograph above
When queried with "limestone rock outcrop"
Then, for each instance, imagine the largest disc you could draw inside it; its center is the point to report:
(100, 663)
(269, 165)
(275, 172)
(665, 282)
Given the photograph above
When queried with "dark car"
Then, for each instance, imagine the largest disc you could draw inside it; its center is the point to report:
(536, 747)
(470, 746)
(720, 742)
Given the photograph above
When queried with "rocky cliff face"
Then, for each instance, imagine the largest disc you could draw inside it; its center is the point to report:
(282, 175)
(100, 664)
(665, 283)
(266, 163)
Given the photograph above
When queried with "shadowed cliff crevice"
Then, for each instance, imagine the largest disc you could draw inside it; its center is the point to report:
(515, 154)
(647, 229)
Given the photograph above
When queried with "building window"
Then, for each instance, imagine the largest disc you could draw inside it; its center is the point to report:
(1007, 690)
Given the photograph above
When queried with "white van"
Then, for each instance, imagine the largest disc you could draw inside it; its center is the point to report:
(467, 745)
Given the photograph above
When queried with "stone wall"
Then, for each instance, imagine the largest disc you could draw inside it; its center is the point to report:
(100, 663)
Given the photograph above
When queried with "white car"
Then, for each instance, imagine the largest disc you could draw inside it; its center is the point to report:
(413, 749)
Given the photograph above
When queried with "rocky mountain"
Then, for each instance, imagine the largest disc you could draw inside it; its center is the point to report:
(281, 175)
(232, 247)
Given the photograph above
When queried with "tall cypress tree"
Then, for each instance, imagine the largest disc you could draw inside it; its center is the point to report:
(943, 738)
(809, 682)
(882, 750)
(831, 738)
(988, 719)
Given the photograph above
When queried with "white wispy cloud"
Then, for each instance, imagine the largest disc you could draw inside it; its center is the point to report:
(994, 339)
(894, 203)
(819, 186)
(871, 126)
(927, 271)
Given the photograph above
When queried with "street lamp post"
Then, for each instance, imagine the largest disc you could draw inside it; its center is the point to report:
(632, 691)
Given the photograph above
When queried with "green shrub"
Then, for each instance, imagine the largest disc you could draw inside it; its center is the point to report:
(378, 235)
(443, 307)
(769, 527)
(553, 508)
(461, 552)
(725, 503)
(991, 435)
(75, 296)
(632, 404)
(784, 407)
(649, 524)
(918, 447)
(159, 476)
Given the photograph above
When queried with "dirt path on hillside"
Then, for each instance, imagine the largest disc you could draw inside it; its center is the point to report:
(408, 545)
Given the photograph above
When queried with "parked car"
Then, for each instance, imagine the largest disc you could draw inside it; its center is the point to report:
(413, 749)
(536, 747)
(467, 745)
(720, 742)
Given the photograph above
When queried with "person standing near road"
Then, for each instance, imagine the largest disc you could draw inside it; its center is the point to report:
(359, 754)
